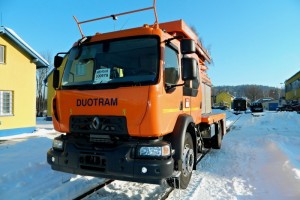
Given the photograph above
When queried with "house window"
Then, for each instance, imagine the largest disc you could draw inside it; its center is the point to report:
(2, 54)
(6, 103)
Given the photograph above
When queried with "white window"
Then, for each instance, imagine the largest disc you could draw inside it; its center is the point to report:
(6, 103)
(2, 54)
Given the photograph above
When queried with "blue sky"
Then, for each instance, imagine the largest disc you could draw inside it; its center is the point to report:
(251, 42)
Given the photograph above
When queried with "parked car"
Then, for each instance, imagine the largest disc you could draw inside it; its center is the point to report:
(256, 107)
(296, 107)
(285, 107)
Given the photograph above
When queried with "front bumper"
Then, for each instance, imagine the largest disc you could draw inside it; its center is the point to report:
(119, 163)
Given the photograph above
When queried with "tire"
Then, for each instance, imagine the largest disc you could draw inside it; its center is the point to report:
(217, 138)
(188, 161)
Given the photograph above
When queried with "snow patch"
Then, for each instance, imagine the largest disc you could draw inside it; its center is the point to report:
(259, 159)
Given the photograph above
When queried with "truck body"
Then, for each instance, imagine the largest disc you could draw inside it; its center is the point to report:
(135, 105)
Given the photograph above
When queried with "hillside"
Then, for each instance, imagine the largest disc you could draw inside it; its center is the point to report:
(252, 92)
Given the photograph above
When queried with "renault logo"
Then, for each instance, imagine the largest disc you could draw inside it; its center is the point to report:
(96, 123)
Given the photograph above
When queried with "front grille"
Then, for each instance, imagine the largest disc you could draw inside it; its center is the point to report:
(105, 139)
(102, 125)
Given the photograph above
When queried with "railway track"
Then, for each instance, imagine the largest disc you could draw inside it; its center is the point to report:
(234, 121)
(166, 195)
(169, 191)
(94, 189)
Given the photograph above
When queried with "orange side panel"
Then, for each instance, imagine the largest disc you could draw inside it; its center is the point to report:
(178, 26)
(212, 118)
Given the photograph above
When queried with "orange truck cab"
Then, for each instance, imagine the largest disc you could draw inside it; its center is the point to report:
(134, 105)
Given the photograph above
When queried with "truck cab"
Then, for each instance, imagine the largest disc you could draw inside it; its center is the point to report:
(134, 105)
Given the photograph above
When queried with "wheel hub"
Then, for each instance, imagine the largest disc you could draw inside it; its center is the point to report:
(187, 161)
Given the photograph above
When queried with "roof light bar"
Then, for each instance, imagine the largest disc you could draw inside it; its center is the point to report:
(114, 17)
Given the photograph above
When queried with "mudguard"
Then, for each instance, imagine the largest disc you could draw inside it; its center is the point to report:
(176, 138)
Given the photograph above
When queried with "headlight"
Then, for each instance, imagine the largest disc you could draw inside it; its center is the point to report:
(57, 144)
(155, 151)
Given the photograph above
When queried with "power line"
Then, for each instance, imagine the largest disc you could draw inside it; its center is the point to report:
(1, 19)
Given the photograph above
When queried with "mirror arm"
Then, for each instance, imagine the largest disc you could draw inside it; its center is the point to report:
(171, 86)
(179, 37)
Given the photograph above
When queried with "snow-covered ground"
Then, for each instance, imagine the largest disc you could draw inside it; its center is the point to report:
(259, 159)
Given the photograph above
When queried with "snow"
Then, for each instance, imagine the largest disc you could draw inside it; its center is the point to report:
(259, 159)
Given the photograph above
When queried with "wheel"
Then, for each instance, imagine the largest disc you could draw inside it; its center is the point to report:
(217, 138)
(188, 161)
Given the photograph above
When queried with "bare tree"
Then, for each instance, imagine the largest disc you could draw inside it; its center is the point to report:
(208, 48)
(41, 74)
(253, 92)
(274, 93)
(194, 29)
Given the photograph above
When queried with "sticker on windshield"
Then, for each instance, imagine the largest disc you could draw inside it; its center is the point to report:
(102, 76)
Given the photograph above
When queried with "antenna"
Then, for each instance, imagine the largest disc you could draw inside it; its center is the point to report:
(115, 17)
(124, 24)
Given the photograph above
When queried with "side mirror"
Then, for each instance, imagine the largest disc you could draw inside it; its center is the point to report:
(58, 61)
(187, 46)
(55, 78)
(189, 69)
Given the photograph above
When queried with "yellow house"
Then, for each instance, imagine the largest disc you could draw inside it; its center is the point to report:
(50, 93)
(50, 90)
(18, 64)
(292, 88)
(224, 99)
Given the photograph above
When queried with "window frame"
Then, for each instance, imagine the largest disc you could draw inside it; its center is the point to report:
(2, 54)
(175, 51)
(9, 105)
(126, 81)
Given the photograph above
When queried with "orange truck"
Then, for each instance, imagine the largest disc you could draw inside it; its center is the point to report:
(134, 105)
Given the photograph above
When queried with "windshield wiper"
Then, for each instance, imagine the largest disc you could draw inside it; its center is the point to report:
(113, 85)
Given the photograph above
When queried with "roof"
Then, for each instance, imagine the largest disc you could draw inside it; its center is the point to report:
(226, 93)
(292, 78)
(39, 61)
(240, 98)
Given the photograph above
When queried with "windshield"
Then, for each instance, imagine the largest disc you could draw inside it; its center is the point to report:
(127, 61)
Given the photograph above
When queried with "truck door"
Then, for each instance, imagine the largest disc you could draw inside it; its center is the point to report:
(172, 97)
(192, 97)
